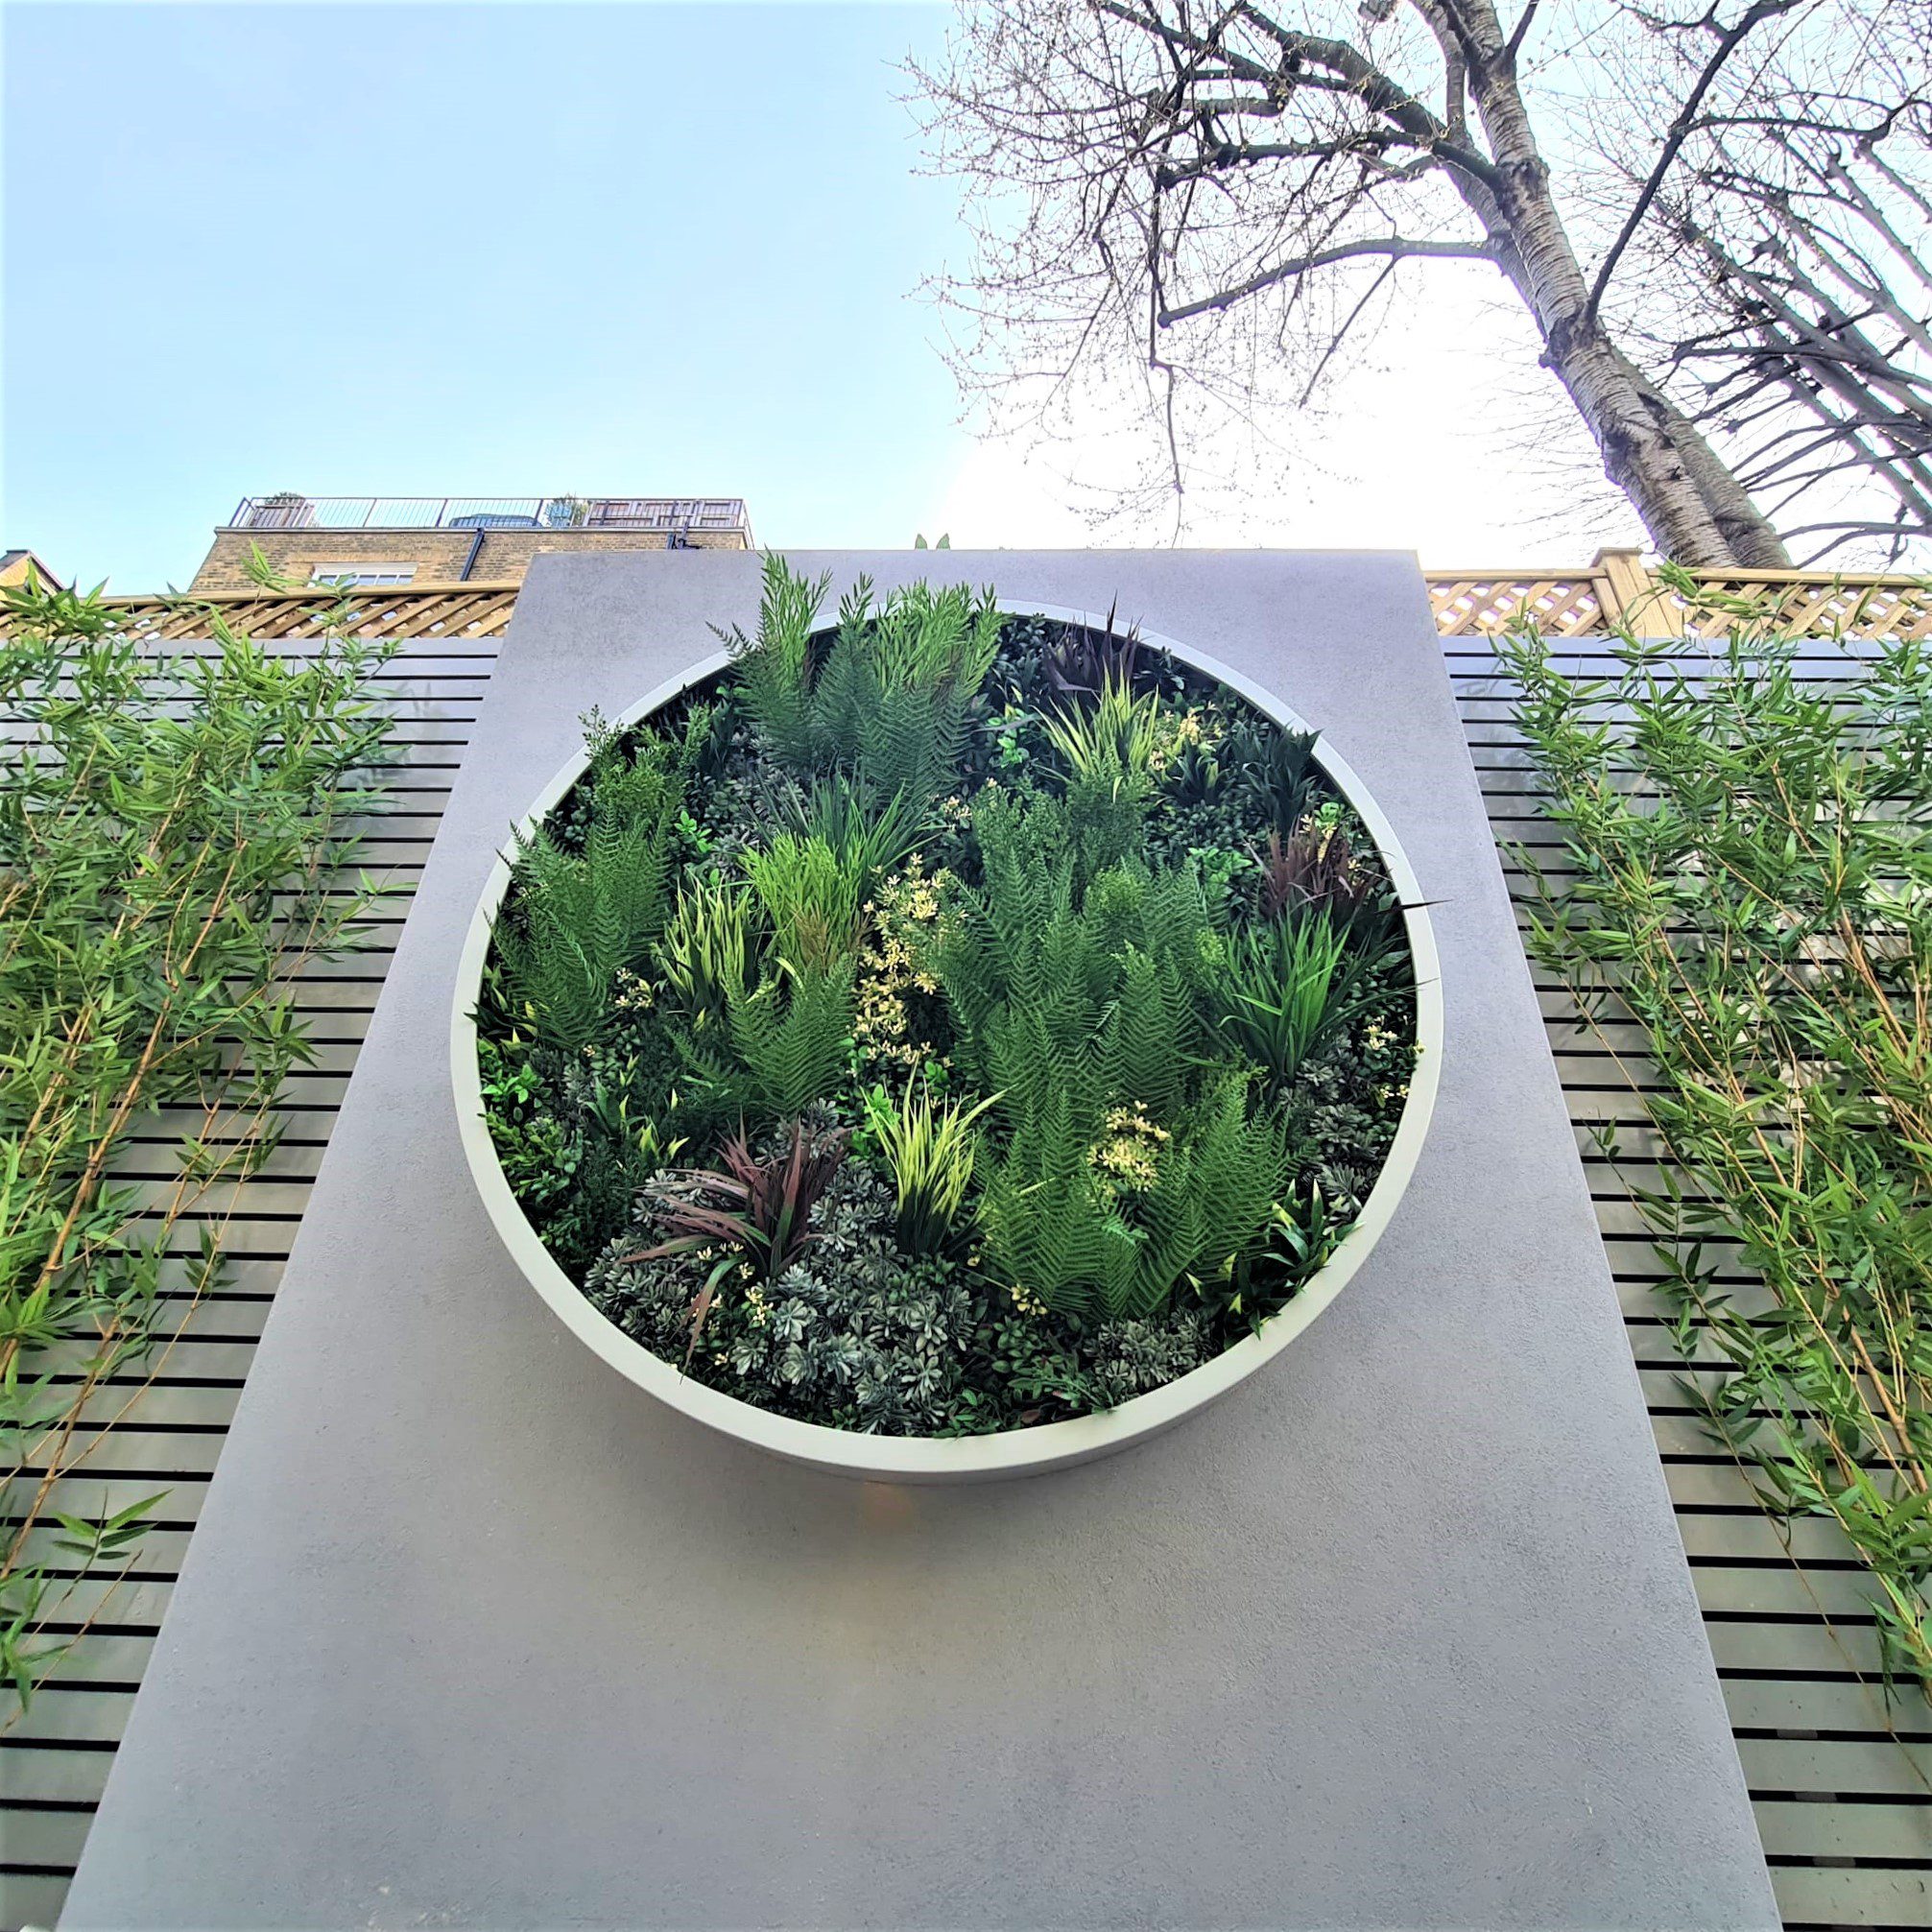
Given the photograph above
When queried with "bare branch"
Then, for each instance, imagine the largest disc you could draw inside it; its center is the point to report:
(1727, 45)
(1203, 206)
(1514, 44)
(1395, 250)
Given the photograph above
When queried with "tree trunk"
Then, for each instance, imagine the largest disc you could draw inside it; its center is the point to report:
(1695, 509)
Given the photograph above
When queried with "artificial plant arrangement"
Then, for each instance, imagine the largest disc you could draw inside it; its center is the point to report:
(945, 1021)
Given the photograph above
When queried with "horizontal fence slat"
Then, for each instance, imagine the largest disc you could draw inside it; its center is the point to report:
(1816, 1896)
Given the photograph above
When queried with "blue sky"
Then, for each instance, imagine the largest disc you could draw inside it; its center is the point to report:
(452, 250)
(516, 249)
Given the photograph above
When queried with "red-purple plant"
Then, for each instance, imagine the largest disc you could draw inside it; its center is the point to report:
(1316, 868)
(1082, 663)
(760, 1211)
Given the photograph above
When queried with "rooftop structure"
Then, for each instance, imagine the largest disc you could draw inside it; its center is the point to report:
(15, 564)
(390, 541)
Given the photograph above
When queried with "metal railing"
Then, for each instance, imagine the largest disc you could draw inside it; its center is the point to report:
(285, 510)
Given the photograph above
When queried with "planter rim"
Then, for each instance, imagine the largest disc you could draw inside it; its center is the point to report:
(1009, 1452)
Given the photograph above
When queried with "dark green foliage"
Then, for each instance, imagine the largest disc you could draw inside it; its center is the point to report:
(1047, 665)
(1285, 989)
(750, 1218)
(1343, 1106)
(1196, 775)
(582, 918)
(1129, 1109)
(792, 1037)
(852, 1332)
(1318, 869)
(1082, 664)
(1134, 1356)
(1276, 771)
(869, 829)
(578, 1133)
(528, 1137)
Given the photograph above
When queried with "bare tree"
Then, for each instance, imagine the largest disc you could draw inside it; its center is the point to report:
(1223, 195)
(1800, 337)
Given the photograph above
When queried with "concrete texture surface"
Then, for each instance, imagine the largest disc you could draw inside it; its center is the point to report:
(1399, 1635)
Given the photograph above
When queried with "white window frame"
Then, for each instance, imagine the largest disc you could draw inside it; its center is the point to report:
(364, 576)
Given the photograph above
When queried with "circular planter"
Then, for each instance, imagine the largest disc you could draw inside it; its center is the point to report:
(1011, 1452)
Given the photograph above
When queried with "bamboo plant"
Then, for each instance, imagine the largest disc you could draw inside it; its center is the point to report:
(1745, 881)
(174, 829)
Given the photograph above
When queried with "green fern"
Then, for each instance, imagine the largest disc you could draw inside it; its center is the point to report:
(775, 671)
(1111, 974)
(792, 1040)
(886, 699)
(1129, 1163)
(893, 699)
(1114, 1229)
(577, 919)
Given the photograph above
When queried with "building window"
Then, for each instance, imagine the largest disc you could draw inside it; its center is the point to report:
(359, 575)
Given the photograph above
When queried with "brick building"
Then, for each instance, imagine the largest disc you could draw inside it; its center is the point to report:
(14, 565)
(427, 540)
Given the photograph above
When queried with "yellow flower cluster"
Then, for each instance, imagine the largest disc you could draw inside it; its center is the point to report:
(635, 993)
(1024, 1304)
(1176, 729)
(889, 967)
(1129, 1159)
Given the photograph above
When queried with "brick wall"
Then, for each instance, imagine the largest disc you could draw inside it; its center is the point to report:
(438, 554)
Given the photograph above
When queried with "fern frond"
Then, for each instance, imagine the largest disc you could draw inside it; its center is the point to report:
(792, 1037)
(775, 671)
(573, 921)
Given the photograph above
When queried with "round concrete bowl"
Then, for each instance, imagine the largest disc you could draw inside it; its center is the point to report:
(1011, 1452)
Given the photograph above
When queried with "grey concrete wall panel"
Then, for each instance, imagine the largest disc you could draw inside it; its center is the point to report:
(1400, 1634)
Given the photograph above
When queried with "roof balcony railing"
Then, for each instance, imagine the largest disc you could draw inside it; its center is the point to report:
(286, 510)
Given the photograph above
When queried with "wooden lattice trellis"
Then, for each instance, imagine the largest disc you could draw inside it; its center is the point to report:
(1801, 606)
(454, 611)
(1618, 588)
(1579, 603)
(1485, 603)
